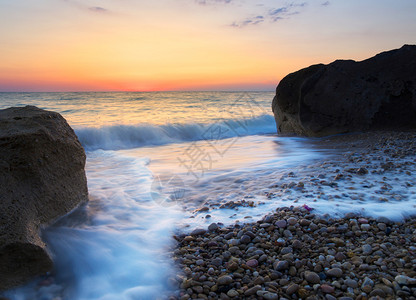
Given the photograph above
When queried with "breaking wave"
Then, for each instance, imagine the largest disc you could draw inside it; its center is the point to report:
(127, 137)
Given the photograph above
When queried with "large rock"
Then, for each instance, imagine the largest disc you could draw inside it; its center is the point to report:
(346, 96)
(42, 177)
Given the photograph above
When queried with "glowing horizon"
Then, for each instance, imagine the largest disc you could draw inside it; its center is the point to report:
(181, 45)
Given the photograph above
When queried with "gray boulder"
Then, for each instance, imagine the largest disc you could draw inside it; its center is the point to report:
(42, 177)
(346, 96)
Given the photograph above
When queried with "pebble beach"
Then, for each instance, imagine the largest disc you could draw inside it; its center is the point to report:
(298, 252)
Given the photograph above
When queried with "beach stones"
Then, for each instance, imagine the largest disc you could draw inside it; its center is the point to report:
(334, 272)
(281, 265)
(252, 263)
(312, 277)
(281, 223)
(213, 227)
(198, 231)
(225, 279)
(308, 256)
(367, 249)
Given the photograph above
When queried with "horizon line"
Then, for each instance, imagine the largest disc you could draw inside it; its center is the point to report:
(160, 91)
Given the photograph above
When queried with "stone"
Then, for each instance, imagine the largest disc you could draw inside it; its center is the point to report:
(312, 277)
(339, 256)
(232, 266)
(213, 227)
(367, 249)
(296, 244)
(252, 291)
(216, 262)
(378, 292)
(252, 263)
(351, 283)
(362, 221)
(348, 96)
(245, 239)
(232, 293)
(334, 272)
(304, 222)
(42, 177)
(268, 295)
(224, 280)
(367, 285)
(281, 265)
(327, 289)
(198, 231)
(281, 223)
(292, 221)
(292, 288)
(405, 280)
(286, 250)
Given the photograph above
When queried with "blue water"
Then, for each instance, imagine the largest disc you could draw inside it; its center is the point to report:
(152, 158)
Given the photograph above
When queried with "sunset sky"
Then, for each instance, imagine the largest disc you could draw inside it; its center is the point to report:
(134, 45)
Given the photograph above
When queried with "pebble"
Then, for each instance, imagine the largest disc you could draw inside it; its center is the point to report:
(334, 272)
(245, 239)
(216, 262)
(198, 231)
(281, 223)
(351, 283)
(232, 293)
(225, 279)
(312, 277)
(252, 263)
(367, 285)
(268, 295)
(327, 289)
(405, 280)
(252, 290)
(292, 288)
(367, 249)
(213, 227)
(292, 221)
(281, 265)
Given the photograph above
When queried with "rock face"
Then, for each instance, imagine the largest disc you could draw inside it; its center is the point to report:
(42, 177)
(346, 96)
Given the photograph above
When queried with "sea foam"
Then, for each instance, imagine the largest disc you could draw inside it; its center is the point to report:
(119, 137)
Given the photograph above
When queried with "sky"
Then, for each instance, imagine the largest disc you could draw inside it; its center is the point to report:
(164, 45)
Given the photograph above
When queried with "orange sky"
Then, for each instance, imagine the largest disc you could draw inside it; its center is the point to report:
(101, 45)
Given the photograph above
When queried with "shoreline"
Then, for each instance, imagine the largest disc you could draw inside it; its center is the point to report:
(295, 253)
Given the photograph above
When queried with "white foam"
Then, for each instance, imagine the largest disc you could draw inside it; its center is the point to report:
(126, 136)
(116, 247)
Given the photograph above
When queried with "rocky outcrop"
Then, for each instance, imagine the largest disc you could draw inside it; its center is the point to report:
(347, 96)
(42, 177)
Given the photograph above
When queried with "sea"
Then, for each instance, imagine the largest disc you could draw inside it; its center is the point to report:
(160, 164)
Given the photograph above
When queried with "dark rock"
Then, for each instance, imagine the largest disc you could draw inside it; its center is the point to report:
(281, 265)
(213, 227)
(312, 277)
(42, 177)
(198, 231)
(347, 96)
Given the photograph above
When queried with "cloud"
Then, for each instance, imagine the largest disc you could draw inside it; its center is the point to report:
(83, 6)
(271, 15)
(98, 9)
(249, 21)
(208, 2)
(326, 3)
(285, 11)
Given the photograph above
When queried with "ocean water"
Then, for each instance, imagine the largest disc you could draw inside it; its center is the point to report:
(153, 160)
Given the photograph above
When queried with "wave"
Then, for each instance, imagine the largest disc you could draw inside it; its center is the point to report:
(126, 137)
